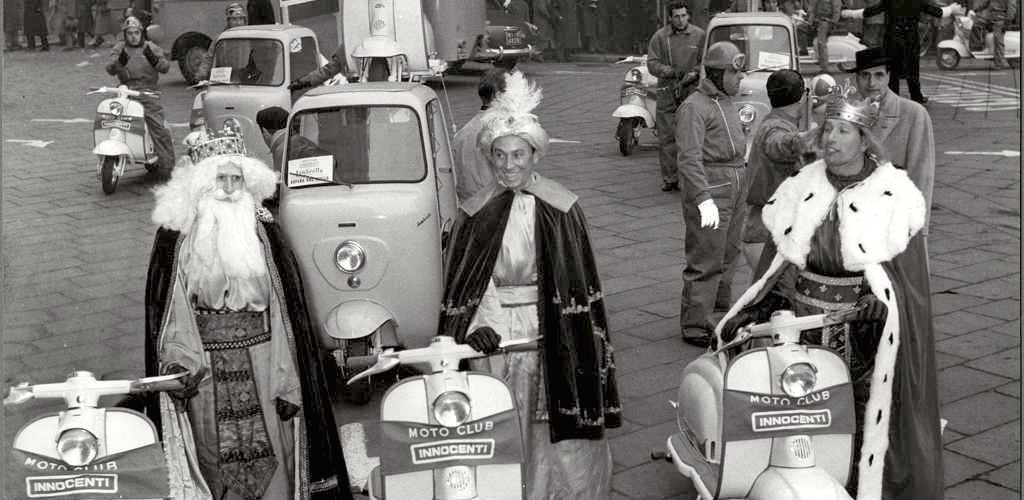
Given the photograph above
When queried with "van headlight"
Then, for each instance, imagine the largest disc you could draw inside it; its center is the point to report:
(747, 114)
(77, 447)
(798, 379)
(451, 409)
(349, 257)
(116, 109)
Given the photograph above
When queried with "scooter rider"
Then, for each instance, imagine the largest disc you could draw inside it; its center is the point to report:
(673, 55)
(137, 63)
(711, 161)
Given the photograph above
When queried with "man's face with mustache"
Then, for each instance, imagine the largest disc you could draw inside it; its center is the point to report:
(230, 182)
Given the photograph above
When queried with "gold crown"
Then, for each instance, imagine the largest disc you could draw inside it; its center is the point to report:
(840, 105)
(205, 144)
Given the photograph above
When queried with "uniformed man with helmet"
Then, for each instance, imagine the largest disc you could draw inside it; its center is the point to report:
(711, 162)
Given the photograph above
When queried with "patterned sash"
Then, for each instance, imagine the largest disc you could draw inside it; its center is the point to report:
(246, 456)
(824, 294)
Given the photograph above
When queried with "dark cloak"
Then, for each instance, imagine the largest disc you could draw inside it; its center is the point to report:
(328, 474)
(913, 461)
(580, 383)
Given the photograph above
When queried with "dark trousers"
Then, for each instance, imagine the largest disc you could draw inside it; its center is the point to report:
(904, 46)
(665, 121)
(711, 253)
(163, 145)
(996, 25)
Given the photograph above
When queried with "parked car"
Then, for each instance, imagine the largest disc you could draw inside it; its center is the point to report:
(510, 37)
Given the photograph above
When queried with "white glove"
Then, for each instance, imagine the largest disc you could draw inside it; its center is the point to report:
(948, 10)
(708, 214)
(851, 14)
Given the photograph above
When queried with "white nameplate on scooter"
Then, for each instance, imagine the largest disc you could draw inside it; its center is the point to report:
(221, 75)
(311, 171)
(453, 449)
(768, 421)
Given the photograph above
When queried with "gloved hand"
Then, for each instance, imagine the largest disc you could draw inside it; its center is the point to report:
(150, 56)
(122, 58)
(871, 308)
(708, 213)
(690, 77)
(299, 85)
(190, 381)
(484, 339)
(851, 14)
(808, 137)
(732, 327)
(285, 410)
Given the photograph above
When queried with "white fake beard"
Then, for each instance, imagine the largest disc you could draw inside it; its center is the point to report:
(224, 240)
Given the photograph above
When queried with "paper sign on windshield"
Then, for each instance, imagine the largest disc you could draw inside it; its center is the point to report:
(295, 45)
(772, 60)
(311, 171)
(221, 75)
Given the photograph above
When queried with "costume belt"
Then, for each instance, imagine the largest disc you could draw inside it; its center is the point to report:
(725, 164)
(828, 292)
(518, 296)
(246, 459)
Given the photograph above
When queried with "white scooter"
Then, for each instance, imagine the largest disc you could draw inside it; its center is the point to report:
(446, 435)
(842, 49)
(771, 422)
(120, 134)
(638, 103)
(959, 47)
(85, 449)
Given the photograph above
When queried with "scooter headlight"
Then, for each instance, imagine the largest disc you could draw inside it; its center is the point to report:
(451, 409)
(747, 114)
(349, 257)
(77, 447)
(798, 379)
(116, 109)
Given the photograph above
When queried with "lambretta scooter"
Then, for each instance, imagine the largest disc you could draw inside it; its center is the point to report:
(638, 104)
(121, 135)
(85, 449)
(772, 422)
(959, 47)
(448, 434)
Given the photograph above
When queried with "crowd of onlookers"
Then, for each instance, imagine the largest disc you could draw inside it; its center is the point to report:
(34, 24)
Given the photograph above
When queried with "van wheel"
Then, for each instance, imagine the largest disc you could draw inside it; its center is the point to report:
(625, 135)
(948, 59)
(108, 176)
(190, 61)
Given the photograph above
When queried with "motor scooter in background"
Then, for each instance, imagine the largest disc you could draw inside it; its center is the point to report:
(85, 449)
(842, 49)
(959, 47)
(771, 421)
(445, 435)
(638, 103)
(120, 134)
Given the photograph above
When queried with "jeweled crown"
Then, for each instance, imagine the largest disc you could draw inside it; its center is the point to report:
(841, 104)
(206, 143)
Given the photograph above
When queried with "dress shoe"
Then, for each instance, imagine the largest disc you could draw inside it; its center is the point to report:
(670, 186)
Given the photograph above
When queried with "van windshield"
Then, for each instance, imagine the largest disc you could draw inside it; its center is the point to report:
(248, 61)
(767, 47)
(355, 145)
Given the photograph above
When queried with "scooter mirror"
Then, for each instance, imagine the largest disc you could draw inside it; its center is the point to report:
(172, 382)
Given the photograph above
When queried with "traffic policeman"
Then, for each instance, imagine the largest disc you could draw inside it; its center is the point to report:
(711, 162)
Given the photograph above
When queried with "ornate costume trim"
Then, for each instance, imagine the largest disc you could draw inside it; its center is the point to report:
(828, 306)
(549, 191)
(830, 280)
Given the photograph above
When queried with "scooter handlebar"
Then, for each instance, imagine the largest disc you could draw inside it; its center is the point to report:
(788, 322)
(86, 389)
(123, 90)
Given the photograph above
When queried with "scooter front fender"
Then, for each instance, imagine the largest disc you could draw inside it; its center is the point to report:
(955, 45)
(111, 147)
(634, 111)
(809, 483)
(355, 319)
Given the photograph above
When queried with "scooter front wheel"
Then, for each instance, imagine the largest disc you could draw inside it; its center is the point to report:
(948, 59)
(626, 136)
(109, 173)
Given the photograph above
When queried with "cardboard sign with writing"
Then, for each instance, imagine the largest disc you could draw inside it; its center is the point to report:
(138, 473)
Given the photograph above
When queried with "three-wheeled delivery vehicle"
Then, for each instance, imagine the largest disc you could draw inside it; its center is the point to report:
(367, 200)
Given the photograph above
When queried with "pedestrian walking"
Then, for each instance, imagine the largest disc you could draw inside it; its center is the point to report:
(992, 15)
(673, 56)
(102, 22)
(13, 18)
(472, 170)
(34, 24)
(824, 16)
(713, 169)
(874, 27)
(79, 24)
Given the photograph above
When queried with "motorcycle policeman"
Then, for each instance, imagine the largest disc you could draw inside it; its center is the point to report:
(673, 55)
(712, 163)
(137, 63)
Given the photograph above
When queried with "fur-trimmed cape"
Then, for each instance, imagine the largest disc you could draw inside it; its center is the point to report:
(878, 218)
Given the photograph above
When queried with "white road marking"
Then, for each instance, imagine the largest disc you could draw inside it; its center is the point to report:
(83, 64)
(176, 124)
(63, 120)
(975, 85)
(1007, 153)
(969, 95)
(563, 141)
(31, 142)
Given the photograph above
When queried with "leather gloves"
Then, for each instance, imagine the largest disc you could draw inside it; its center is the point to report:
(150, 56)
(708, 213)
(122, 58)
(741, 319)
(298, 85)
(871, 308)
(285, 410)
(690, 78)
(484, 339)
(190, 381)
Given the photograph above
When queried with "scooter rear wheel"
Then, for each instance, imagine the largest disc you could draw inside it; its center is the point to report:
(625, 135)
(108, 174)
(948, 59)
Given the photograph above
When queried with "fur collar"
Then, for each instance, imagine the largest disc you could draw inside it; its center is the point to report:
(549, 191)
(887, 198)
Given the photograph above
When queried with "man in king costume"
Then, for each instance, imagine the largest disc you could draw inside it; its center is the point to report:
(843, 226)
(520, 265)
(225, 304)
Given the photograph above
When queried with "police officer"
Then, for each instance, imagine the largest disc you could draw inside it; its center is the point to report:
(711, 161)
(673, 55)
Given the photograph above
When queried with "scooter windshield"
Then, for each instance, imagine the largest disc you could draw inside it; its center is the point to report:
(248, 61)
(355, 145)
